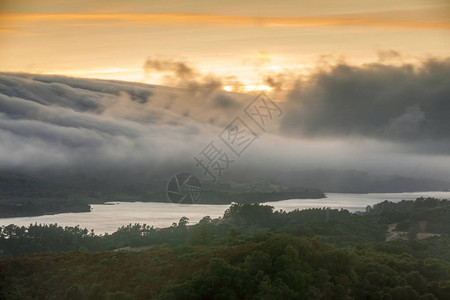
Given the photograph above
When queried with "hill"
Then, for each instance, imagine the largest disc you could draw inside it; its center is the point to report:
(252, 252)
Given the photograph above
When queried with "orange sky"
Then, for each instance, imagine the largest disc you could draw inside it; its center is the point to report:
(112, 39)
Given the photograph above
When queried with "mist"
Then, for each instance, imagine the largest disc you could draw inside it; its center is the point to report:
(377, 118)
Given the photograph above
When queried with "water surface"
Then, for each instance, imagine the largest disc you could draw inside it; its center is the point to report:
(107, 218)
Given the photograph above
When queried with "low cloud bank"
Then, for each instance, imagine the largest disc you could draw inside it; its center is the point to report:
(387, 119)
(404, 103)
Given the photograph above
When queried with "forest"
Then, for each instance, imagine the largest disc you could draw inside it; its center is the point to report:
(252, 252)
(23, 195)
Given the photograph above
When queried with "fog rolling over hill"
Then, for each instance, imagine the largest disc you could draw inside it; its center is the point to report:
(352, 181)
(233, 149)
(100, 135)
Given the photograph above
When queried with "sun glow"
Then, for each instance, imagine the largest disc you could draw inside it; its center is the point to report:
(248, 88)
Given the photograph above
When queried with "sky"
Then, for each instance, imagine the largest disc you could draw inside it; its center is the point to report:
(362, 85)
(242, 40)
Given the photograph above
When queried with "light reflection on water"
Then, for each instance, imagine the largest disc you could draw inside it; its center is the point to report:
(107, 218)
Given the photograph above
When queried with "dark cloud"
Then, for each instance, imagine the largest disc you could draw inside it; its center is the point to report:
(225, 102)
(179, 68)
(181, 74)
(405, 104)
(200, 96)
(276, 81)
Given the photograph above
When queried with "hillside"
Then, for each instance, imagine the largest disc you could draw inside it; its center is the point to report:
(252, 252)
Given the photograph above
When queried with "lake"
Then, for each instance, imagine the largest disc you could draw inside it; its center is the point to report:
(107, 218)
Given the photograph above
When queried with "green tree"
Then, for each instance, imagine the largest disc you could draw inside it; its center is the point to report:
(74, 293)
(97, 292)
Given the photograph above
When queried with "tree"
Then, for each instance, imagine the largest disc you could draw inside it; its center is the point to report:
(412, 233)
(184, 221)
(74, 293)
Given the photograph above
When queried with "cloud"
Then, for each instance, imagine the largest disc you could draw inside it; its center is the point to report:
(387, 55)
(260, 59)
(181, 74)
(387, 119)
(89, 125)
(225, 102)
(401, 103)
(143, 19)
(277, 81)
(180, 69)
(200, 96)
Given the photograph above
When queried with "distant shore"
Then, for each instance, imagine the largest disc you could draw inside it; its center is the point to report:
(49, 206)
